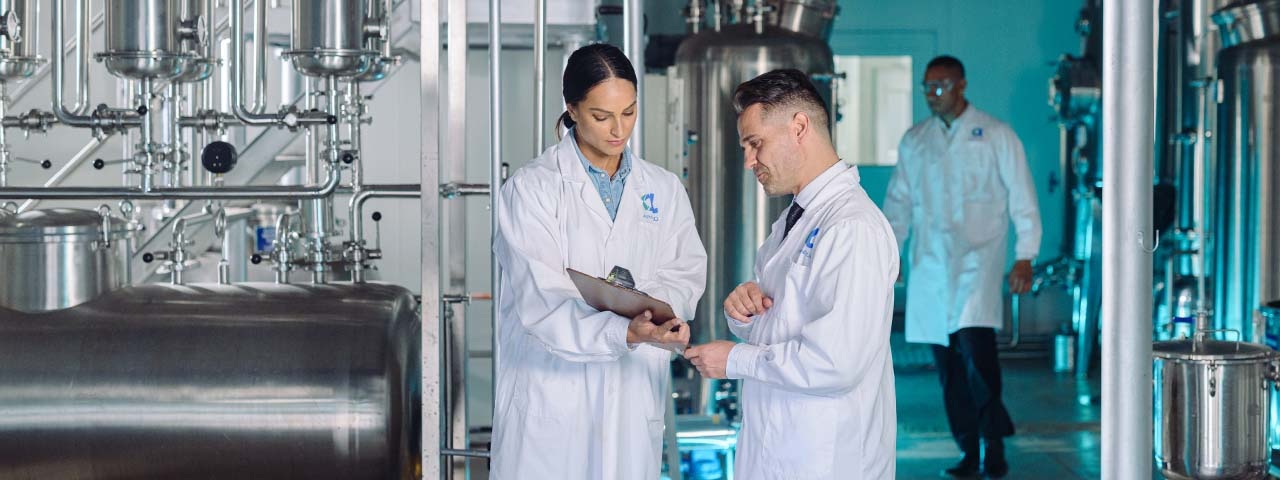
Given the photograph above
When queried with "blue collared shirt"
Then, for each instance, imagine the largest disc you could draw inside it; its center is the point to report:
(610, 190)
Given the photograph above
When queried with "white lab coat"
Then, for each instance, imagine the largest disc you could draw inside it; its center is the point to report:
(954, 192)
(817, 377)
(573, 400)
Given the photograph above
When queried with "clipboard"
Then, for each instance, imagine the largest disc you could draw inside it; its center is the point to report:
(627, 302)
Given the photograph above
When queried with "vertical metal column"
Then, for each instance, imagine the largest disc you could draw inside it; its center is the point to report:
(429, 83)
(495, 173)
(633, 31)
(1127, 142)
(453, 239)
(539, 75)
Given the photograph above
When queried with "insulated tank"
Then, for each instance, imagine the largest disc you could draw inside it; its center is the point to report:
(213, 381)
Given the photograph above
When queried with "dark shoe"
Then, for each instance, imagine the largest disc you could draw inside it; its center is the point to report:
(993, 462)
(995, 469)
(967, 468)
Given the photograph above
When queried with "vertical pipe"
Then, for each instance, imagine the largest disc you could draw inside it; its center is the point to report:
(4, 145)
(495, 170)
(82, 37)
(633, 31)
(259, 57)
(356, 103)
(539, 75)
(146, 140)
(1126, 267)
(453, 239)
(429, 97)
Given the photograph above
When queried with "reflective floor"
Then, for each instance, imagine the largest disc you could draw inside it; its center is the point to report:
(1057, 437)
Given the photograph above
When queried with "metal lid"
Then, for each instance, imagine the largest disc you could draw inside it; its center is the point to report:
(56, 222)
(1210, 350)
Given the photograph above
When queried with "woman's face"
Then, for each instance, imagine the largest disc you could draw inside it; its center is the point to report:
(605, 118)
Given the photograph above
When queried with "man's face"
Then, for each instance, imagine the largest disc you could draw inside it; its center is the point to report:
(767, 151)
(943, 90)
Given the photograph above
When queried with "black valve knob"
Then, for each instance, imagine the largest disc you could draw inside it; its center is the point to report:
(98, 163)
(255, 259)
(46, 164)
(377, 216)
(148, 258)
(348, 157)
(218, 157)
(331, 120)
(142, 109)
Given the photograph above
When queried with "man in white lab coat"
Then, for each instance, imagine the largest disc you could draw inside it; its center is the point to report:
(961, 175)
(817, 378)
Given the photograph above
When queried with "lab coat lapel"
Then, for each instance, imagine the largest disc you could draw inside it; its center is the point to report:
(573, 173)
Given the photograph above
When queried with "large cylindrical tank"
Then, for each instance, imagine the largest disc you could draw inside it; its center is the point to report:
(60, 258)
(19, 31)
(148, 38)
(1245, 218)
(732, 211)
(330, 37)
(214, 381)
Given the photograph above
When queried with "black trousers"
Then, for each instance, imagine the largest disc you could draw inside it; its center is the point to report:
(970, 373)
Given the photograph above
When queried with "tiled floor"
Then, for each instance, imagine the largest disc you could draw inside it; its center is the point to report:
(1058, 438)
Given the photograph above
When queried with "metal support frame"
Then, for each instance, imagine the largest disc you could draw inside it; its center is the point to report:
(429, 83)
(1128, 136)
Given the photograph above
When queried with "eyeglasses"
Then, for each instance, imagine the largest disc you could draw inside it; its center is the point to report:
(937, 87)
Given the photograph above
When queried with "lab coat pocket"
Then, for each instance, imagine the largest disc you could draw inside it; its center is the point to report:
(805, 437)
(983, 221)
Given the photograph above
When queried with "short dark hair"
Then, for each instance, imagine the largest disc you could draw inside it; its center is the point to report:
(948, 62)
(782, 87)
(590, 66)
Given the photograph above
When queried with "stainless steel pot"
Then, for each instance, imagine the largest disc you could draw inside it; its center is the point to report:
(1211, 405)
(59, 258)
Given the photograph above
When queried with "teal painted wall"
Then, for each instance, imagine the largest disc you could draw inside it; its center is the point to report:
(1008, 47)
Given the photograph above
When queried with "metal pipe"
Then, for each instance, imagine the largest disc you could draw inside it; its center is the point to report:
(453, 452)
(633, 31)
(495, 171)
(146, 140)
(82, 35)
(236, 94)
(260, 57)
(60, 110)
(280, 248)
(539, 75)
(452, 190)
(4, 145)
(192, 193)
(429, 98)
(1126, 229)
(355, 208)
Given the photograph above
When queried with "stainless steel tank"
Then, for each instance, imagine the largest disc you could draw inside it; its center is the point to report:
(332, 37)
(213, 381)
(732, 212)
(150, 38)
(1211, 401)
(1244, 242)
(19, 31)
(806, 17)
(60, 258)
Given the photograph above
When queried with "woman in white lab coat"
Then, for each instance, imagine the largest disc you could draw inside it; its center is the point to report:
(581, 394)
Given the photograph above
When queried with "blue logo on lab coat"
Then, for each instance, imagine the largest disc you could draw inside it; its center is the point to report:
(805, 256)
(977, 132)
(650, 207)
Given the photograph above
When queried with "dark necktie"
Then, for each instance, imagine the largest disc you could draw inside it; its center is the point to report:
(793, 216)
